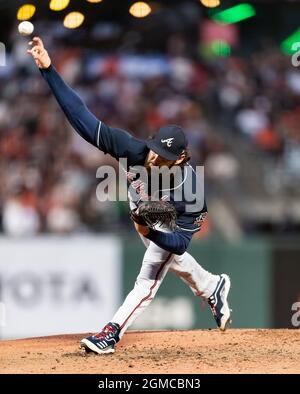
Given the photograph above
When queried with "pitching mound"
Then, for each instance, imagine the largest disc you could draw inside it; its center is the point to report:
(200, 351)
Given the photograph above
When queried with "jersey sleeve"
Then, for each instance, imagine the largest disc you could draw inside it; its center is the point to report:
(117, 142)
(191, 222)
(176, 242)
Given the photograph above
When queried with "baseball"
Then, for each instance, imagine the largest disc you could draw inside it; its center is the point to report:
(25, 28)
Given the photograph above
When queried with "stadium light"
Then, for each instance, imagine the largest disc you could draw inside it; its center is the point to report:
(140, 9)
(220, 48)
(58, 5)
(234, 14)
(26, 12)
(288, 45)
(210, 3)
(94, 1)
(73, 20)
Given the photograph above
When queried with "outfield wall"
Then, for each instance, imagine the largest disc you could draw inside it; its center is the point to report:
(55, 285)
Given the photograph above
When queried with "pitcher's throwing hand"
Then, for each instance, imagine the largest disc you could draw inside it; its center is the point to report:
(39, 53)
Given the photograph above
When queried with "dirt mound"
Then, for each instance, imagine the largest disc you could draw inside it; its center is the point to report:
(199, 351)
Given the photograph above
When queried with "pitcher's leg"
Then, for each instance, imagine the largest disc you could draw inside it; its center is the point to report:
(155, 265)
(201, 282)
(214, 288)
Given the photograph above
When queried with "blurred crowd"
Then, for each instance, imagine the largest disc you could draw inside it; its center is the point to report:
(48, 173)
(259, 97)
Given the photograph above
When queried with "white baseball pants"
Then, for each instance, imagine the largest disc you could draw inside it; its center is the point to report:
(156, 263)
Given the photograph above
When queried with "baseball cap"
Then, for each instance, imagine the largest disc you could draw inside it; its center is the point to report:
(168, 142)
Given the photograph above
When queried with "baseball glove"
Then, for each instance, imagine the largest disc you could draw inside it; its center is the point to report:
(151, 213)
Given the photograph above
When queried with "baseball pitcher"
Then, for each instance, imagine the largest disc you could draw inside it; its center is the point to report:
(165, 244)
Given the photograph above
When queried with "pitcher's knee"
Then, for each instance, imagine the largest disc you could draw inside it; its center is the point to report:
(145, 287)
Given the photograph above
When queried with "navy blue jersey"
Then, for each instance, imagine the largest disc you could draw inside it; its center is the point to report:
(121, 144)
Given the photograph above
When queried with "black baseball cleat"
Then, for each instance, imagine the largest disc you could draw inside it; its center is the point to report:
(218, 303)
(103, 342)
